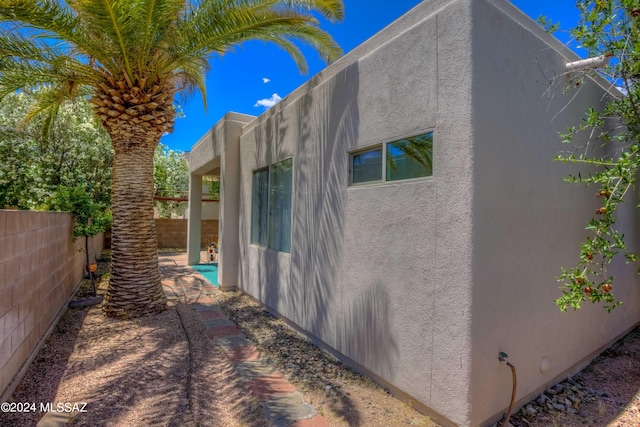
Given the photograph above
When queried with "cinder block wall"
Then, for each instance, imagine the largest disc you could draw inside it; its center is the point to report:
(40, 267)
(172, 233)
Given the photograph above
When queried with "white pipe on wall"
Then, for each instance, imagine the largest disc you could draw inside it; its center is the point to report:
(595, 62)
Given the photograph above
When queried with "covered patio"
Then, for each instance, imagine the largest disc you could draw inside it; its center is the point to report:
(217, 154)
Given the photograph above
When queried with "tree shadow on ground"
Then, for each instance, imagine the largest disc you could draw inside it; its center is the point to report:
(40, 382)
(305, 365)
(157, 370)
(45, 374)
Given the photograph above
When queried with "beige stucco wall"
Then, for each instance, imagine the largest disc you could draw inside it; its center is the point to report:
(210, 210)
(528, 223)
(40, 268)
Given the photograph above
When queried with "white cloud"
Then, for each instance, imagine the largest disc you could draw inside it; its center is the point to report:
(268, 102)
(265, 80)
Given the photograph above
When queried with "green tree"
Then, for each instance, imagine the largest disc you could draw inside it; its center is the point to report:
(131, 58)
(74, 149)
(213, 187)
(90, 217)
(610, 28)
(171, 179)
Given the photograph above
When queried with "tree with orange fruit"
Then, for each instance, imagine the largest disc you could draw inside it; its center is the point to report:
(610, 28)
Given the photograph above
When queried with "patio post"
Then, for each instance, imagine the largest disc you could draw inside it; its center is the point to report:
(195, 219)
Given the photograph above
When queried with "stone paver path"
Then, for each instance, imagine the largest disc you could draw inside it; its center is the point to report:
(284, 406)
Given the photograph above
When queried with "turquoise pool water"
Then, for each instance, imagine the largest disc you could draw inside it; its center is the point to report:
(209, 271)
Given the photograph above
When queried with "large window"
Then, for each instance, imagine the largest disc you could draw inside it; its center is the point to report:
(392, 161)
(271, 206)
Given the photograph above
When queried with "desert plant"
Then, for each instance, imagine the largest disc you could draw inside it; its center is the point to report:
(89, 217)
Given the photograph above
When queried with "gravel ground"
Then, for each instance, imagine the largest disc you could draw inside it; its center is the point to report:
(342, 396)
(160, 370)
(165, 370)
(137, 373)
(605, 393)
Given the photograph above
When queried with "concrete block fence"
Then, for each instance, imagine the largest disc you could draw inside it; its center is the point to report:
(40, 268)
(172, 233)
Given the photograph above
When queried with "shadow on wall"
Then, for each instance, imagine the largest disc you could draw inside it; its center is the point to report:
(327, 123)
(327, 119)
(358, 328)
(627, 221)
(366, 336)
(270, 148)
(305, 287)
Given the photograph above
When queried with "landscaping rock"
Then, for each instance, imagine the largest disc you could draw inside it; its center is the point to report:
(542, 399)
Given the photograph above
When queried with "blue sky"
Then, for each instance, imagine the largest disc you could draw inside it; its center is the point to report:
(252, 76)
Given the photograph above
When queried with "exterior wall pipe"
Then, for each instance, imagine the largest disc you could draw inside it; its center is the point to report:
(595, 62)
(502, 357)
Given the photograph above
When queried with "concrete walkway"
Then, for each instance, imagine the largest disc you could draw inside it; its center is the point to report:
(284, 406)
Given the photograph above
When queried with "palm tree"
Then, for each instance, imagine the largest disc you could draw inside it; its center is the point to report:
(131, 58)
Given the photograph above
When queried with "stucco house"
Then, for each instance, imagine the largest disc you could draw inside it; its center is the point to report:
(402, 209)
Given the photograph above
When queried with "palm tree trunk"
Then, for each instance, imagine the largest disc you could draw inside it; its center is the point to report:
(134, 287)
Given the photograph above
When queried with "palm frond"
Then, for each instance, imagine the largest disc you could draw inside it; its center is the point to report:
(48, 122)
(16, 73)
(315, 37)
(333, 10)
(113, 21)
(45, 20)
(46, 104)
(55, 23)
(159, 25)
(71, 44)
(12, 44)
(50, 16)
(224, 24)
(190, 76)
(140, 32)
